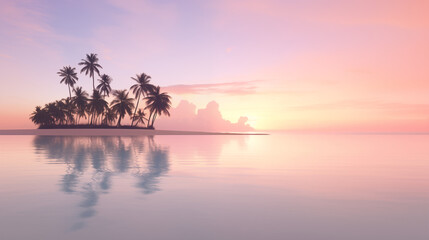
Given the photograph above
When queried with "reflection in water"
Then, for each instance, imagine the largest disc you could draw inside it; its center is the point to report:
(157, 165)
(91, 162)
(272, 187)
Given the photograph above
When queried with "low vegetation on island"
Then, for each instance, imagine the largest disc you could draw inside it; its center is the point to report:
(79, 110)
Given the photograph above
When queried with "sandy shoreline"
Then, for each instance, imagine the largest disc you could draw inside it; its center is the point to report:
(109, 132)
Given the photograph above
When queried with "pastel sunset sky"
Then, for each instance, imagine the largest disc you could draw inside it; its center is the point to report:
(316, 65)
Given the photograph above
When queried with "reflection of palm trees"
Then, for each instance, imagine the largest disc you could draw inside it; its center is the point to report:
(157, 166)
(92, 161)
(123, 154)
(69, 182)
(90, 200)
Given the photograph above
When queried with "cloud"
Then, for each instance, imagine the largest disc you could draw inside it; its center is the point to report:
(186, 117)
(230, 88)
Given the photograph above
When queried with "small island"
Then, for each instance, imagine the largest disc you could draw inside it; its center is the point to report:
(79, 110)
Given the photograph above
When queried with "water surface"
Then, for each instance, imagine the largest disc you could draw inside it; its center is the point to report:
(215, 187)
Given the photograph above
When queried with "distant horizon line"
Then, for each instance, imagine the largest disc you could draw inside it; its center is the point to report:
(342, 132)
(256, 132)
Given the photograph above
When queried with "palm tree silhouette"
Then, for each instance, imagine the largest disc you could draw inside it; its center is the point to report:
(80, 100)
(140, 117)
(90, 67)
(141, 88)
(69, 110)
(96, 105)
(104, 86)
(69, 76)
(61, 112)
(57, 114)
(109, 116)
(41, 117)
(122, 104)
(157, 103)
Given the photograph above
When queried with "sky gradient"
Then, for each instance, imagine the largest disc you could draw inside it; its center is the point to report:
(356, 66)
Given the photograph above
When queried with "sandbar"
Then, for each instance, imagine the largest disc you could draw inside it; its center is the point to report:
(111, 132)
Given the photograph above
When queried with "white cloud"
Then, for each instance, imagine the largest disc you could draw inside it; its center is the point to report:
(186, 117)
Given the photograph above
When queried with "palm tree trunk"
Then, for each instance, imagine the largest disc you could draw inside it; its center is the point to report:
(70, 92)
(92, 118)
(93, 83)
(119, 121)
(150, 116)
(153, 119)
(135, 110)
(137, 123)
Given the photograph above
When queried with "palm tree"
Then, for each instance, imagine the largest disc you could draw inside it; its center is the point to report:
(69, 76)
(55, 110)
(80, 100)
(91, 66)
(109, 116)
(61, 112)
(36, 116)
(157, 103)
(41, 117)
(122, 105)
(96, 105)
(104, 86)
(141, 88)
(140, 117)
(69, 110)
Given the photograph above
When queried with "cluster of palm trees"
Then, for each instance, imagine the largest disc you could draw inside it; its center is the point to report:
(68, 112)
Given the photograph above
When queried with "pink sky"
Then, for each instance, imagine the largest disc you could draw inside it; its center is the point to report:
(282, 65)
